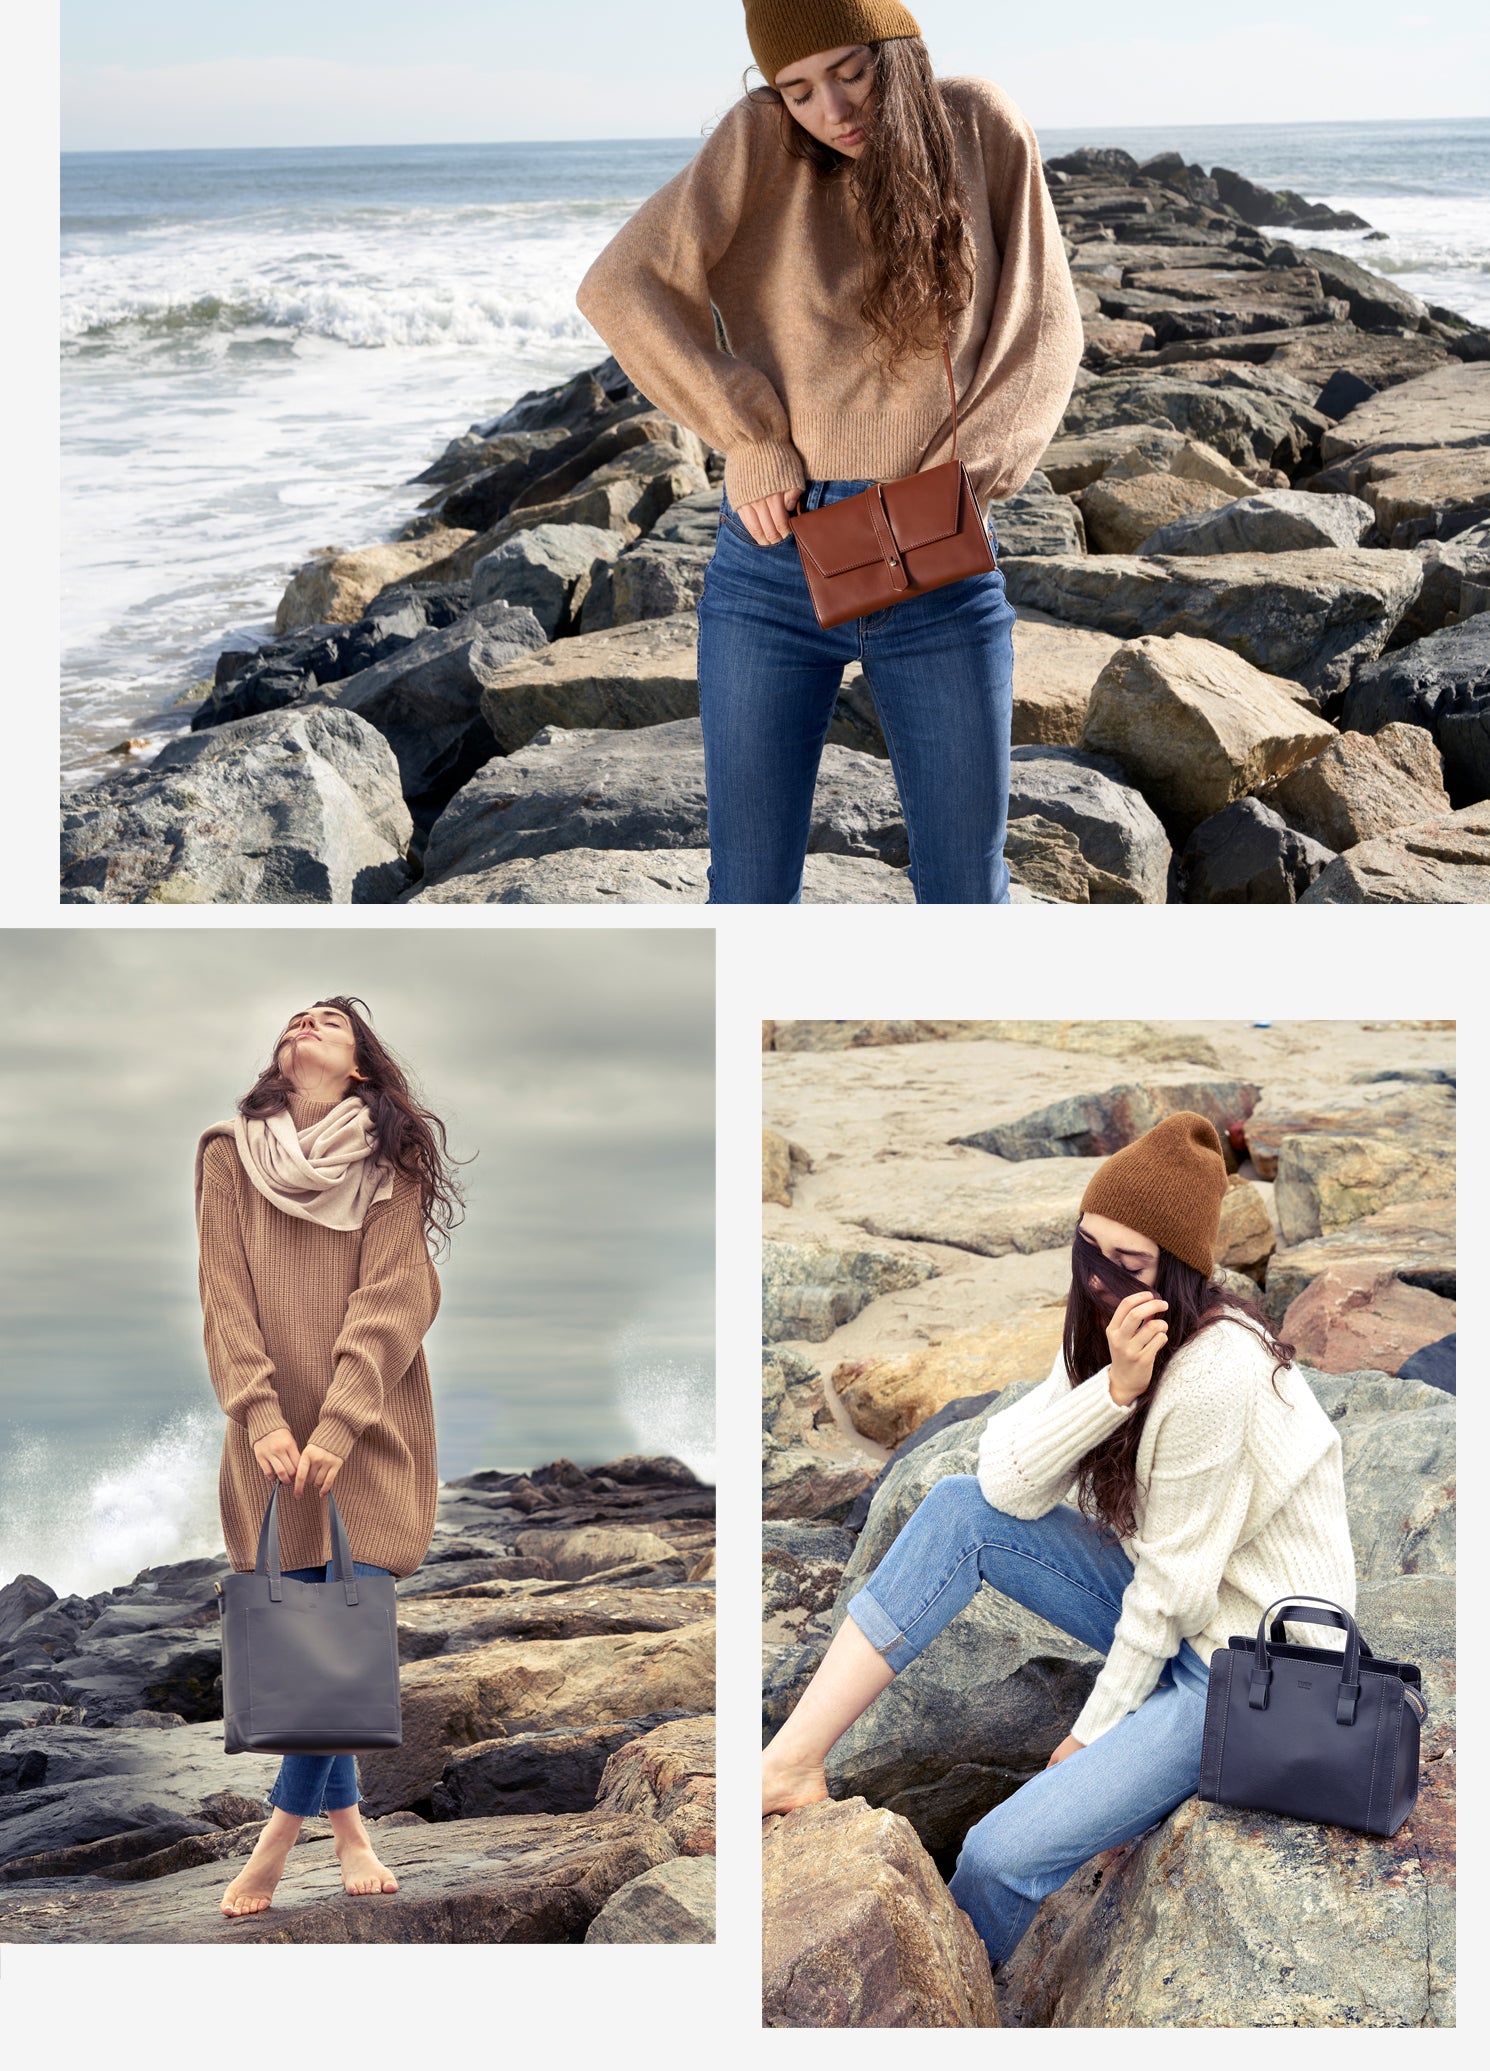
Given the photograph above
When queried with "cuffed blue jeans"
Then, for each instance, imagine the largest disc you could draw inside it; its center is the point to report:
(312, 1784)
(940, 668)
(1126, 1781)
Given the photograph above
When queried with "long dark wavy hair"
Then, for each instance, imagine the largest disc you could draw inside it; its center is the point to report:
(1107, 1476)
(408, 1136)
(911, 214)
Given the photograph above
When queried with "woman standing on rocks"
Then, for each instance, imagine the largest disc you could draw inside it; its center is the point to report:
(1207, 1482)
(315, 1206)
(842, 219)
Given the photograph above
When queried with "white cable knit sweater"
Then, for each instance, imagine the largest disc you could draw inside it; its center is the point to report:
(1240, 1500)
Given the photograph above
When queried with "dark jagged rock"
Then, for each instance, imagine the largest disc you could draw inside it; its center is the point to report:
(555, 1771)
(1094, 1125)
(1248, 855)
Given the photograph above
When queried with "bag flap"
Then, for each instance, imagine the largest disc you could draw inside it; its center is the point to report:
(921, 508)
(926, 506)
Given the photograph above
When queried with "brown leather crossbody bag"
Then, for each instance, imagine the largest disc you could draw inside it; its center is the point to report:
(893, 540)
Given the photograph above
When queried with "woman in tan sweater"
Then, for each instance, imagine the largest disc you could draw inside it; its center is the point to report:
(315, 1207)
(1207, 1484)
(836, 223)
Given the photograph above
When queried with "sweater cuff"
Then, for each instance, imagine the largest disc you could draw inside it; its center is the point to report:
(263, 1417)
(1103, 1710)
(1067, 1430)
(335, 1435)
(751, 472)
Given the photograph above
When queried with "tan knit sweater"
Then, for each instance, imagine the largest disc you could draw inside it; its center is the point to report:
(799, 395)
(1240, 1499)
(320, 1330)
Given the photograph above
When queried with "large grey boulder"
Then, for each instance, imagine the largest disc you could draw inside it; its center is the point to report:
(1275, 521)
(84, 1784)
(690, 521)
(1448, 406)
(1122, 841)
(643, 788)
(426, 699)
(1094, 1125)
(1246, 425)
(636, 675)
(809, 1288)
(1312, 617)
(1248, 855)
(1441, 682)
(1029, 1210)
(1036, 520)
(652, 579)
(549, 569)
(297, 808)
(1375, 300)
(653, 877)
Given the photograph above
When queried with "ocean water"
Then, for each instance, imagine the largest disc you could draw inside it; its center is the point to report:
(260, 348)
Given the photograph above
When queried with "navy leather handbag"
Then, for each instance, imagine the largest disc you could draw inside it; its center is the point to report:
(308, 1668)
(1320, 1733)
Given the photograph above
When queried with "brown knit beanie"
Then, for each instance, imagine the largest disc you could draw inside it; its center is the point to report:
(781, 31)
(1168, 1185)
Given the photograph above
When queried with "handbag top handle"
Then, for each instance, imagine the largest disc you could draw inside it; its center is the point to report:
(1350, 1670)
(267, 1557)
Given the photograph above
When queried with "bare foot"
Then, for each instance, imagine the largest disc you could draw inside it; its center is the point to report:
(360, 1869)
(253, 1887)
(785, 1785)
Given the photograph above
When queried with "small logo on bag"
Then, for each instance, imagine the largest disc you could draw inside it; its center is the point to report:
(1305, 1684)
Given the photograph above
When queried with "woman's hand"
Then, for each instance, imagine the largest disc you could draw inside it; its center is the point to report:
(765, 519)
(278, 1455)
(318, 1467)
(1134, 1337)
(1069, 1746)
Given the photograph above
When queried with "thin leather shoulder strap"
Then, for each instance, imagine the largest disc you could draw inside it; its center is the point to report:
(952, 387)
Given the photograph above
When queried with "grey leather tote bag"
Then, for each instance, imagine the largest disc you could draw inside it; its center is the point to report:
(1319, 1733)
(308, 1668)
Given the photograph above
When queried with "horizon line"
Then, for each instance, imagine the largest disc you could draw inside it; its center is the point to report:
(486, 143)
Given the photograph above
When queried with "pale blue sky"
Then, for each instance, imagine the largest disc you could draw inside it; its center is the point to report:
(161, 74)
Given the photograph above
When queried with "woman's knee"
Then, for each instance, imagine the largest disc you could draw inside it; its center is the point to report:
(957, 1496)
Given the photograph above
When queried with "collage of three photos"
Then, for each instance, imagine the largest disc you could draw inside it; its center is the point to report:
(809, 454)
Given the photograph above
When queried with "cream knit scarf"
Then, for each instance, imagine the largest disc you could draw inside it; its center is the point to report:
(325, 1172)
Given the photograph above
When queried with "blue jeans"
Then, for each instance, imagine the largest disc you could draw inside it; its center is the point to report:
(940, 668)
(312, 1784)
(1126, 1781)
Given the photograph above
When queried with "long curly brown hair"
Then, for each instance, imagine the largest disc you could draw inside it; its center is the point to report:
(911, 209)
(1107, 1476)
(408, 1136)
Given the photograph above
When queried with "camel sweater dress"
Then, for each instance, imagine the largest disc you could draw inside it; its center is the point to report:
(1240, 1499)
(320, 1330)
(799, 394)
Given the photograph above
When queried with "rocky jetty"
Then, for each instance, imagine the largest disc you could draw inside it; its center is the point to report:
(1251, 574)
(556, 1777)
(965, 1147)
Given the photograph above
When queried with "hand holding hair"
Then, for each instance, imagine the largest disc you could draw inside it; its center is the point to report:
(1134, 1337)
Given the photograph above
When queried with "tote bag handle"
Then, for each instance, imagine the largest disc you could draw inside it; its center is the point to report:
(267, 1557)
(1350, 1671)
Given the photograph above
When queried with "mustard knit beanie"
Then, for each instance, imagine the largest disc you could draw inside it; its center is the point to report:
(781, 31)
(1168, 1184)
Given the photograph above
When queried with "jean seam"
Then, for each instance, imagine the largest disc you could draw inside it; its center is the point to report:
(1020, 1554)
(895, 762)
